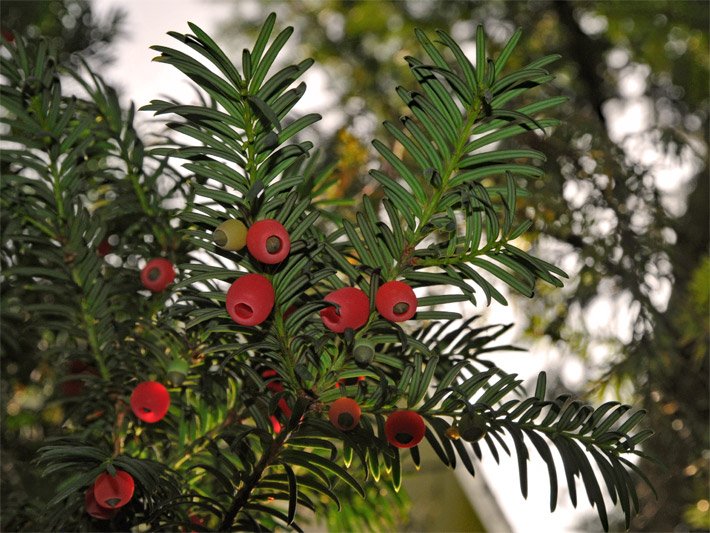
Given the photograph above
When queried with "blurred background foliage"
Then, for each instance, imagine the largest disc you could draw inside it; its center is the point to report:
(30, 386)
(71, 26)
(623, 207)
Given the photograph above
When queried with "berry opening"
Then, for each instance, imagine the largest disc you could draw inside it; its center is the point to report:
(219, 237)
(273, 244)
(404, 438)
(332, 315)
(400, 308)
(112, 502)
(153, 273)
(146, 410)
(243, 310)
(346, 420)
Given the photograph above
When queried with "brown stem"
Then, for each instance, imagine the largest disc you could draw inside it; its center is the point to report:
(250, 484)
(118, 425)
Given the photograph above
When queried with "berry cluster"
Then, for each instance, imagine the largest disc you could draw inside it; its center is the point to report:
(250, 300)
(149, 401)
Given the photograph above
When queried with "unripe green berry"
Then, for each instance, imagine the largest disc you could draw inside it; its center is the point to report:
(177, 371)
(230, 235)
(363, 352)
(472, 427)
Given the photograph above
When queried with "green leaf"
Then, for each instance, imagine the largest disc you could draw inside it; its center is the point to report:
(398, 195)
(524, 289)
(480, 54)
(263, 108)
(463, 62)
(309, 460)
(354, 239)
(263, 37)
(262, 65)
(504, 55)
(540, 386)
(570, 465)
(543, 449)
(213, 51)
(491, 170)
(632, 421)
(464, 454)
(292, 493)
(401, 169)
(590, 483)
(521, 452)
(434, 443)
(74, 483)
(610, 420)
(396, 470)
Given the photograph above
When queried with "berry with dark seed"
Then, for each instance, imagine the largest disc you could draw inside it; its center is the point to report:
(230, 235)
(396, 301)
(404, 428)
(104, 248)
(344, 414)
(157, 274)
(112, 492)
(268, 241)
(93, 508)
(150, 401)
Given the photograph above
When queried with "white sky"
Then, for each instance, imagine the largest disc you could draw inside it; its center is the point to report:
(137, 78)
(133, 72)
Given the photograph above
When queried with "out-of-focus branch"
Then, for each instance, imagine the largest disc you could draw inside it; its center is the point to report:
(587, 53)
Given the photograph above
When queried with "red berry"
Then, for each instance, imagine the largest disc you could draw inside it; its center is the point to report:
(291, 309)
(344, 414)
(396, 301)
(74, 387)
(353, 312)
(8, 35)
(275, 424)
(404, 429)
(276, 386)
(285, 408)
(157, 274)
(113, 492)
(93, 508)
(250, 299)
(150, 401)
(273, 385)
(198, 521)
(268, 241)
(104, 248)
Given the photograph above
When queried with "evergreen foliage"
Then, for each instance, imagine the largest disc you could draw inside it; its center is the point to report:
(242, 448)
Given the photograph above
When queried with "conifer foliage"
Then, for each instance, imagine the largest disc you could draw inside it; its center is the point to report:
(256, 356)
